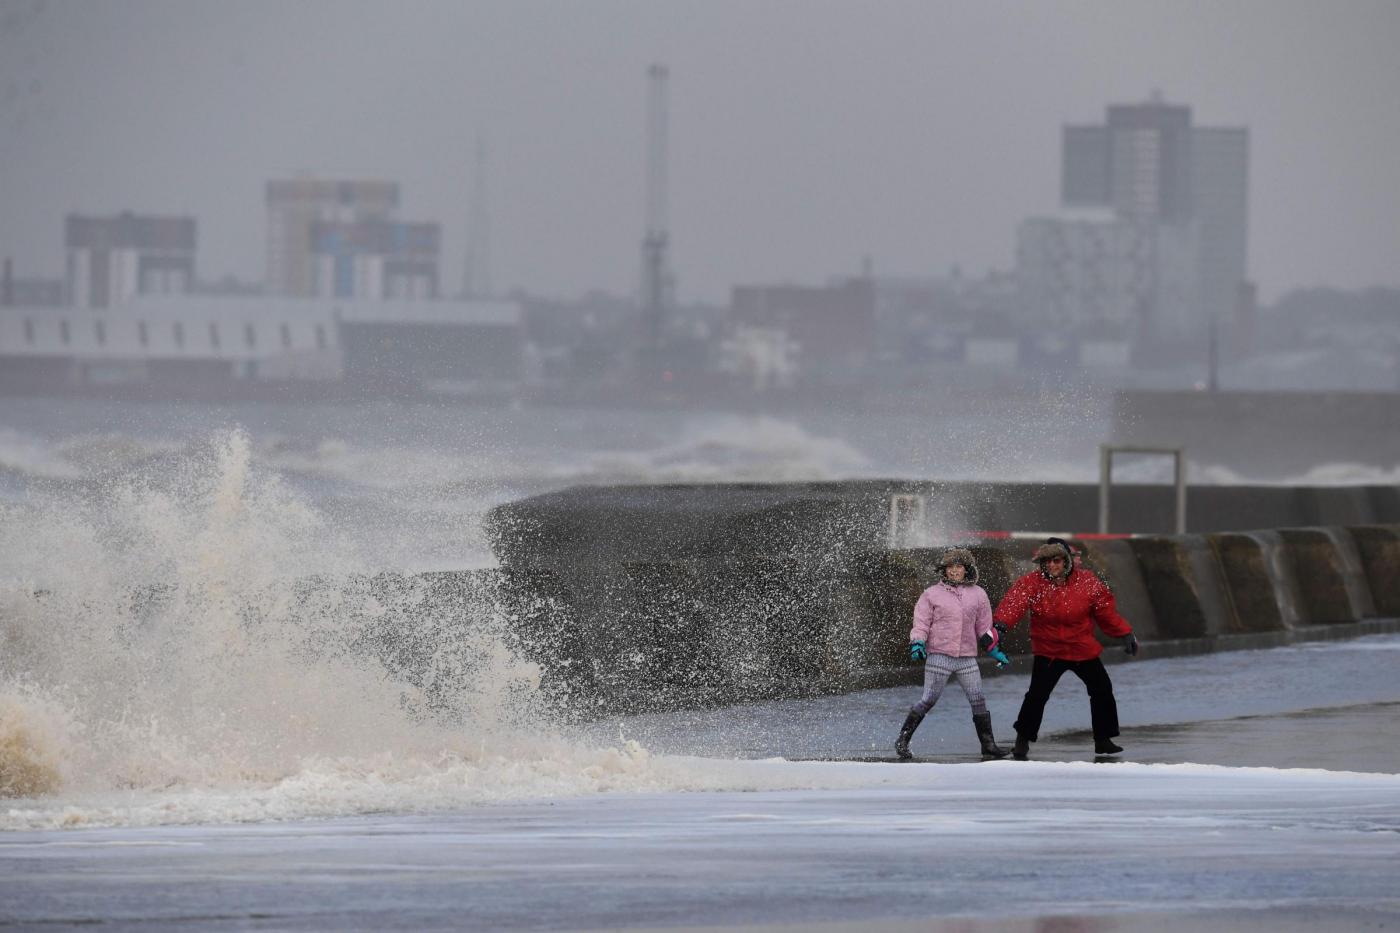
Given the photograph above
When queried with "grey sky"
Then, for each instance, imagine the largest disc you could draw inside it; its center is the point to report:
(804, 134)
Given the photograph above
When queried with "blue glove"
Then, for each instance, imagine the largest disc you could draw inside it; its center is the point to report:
(1130, 645)
(993, 647)
(917, 651)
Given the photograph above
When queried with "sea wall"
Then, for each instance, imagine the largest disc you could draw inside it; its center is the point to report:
(587, 525)
(1258, 433)
(701, 630)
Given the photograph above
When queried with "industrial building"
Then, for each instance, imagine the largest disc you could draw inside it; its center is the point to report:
(463, 347)
(111, 260)
(295, 206)
(376, 259)
(228, 345)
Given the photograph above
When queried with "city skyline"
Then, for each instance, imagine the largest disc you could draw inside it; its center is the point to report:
(805, 137)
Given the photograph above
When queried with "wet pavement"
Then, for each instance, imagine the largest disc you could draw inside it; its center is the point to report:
(1351, 738)
(1164, 839)
(1040, 846)
(1332, 705)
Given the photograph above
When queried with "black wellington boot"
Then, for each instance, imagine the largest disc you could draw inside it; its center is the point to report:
(1022, 749)
(906, 732)
(983, 723)
(1105, 747)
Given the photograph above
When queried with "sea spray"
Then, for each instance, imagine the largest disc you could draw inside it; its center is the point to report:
(30, 733)
(178, 630)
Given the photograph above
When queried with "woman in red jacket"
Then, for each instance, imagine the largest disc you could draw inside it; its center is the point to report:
(1065, 603)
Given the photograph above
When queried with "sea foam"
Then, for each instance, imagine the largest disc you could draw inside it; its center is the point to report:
(177, 635)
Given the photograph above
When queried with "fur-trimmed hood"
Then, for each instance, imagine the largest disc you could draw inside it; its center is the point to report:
(1055, 547)
(958, 555)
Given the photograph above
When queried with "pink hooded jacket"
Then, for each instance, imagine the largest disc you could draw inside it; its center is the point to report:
(949, 619)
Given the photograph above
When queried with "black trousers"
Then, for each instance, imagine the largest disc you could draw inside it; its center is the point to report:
(1046, 673)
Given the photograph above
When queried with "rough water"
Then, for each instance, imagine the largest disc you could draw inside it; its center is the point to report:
(161, 640)
(189, 632)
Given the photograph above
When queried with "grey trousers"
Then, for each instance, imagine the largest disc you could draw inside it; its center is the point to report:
(937, 669)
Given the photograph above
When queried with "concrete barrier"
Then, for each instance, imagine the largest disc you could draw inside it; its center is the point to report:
(1385, 505)
(1259, 577)
(884, 588)
(707, 630)
(538, 609)
(1358, 588)
(1329, 574)
(661, 635)
(1257, 433)
(1378, 549)
(1186, 587)
(1117, 564)
(1334, 505)
(585, 525)
(997, 569)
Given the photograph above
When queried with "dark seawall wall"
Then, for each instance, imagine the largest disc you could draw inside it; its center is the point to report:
(705, 630)
(1264, 433)
(586, 525)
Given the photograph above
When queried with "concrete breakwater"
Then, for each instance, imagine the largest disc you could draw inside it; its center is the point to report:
(675, 634)
(588, 524)
(1264, 433)
(682, 606)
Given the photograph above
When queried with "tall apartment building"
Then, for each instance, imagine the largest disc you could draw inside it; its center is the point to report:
(110, 260)
(1167, 252)
(1138, 163)
(376, 259)
(295, 206)
(1219, 178)
(1097, 270)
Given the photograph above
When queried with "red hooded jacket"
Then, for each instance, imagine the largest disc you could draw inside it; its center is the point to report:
(1063, 613)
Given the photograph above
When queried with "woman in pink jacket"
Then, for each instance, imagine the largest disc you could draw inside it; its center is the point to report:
(951, 620)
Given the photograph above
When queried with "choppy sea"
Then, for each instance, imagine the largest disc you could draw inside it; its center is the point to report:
(159, 664)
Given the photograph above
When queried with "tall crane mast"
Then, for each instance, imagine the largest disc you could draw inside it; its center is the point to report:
(656, 274)
(476, 277)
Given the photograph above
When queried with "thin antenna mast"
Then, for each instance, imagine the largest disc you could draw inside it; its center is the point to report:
(656, 276)
(476, 277)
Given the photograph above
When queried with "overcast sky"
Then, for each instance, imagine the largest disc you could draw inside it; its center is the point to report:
(805, 134)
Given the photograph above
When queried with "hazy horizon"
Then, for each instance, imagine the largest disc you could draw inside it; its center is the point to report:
(804, 136)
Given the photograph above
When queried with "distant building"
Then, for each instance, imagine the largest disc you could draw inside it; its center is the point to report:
(1074, 271)
(295, 206)
(1138, 163)
(229, 286)
(1167, 251)
(167, 342)
(763, 358)
(467, 346)
(376, 259)
(831, 327)
(1095, 272)
(1220, 185)
(927, 319)
(226, 343)
(36, 293)
(113, 259)
(32, 293)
